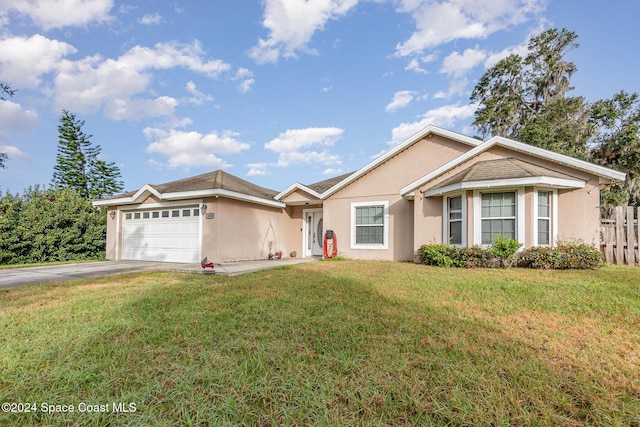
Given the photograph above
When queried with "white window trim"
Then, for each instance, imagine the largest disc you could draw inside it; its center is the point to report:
(553, 227)
(385, 232)
(477, 213)
(445, 218)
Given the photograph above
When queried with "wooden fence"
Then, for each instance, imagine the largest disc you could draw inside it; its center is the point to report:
(619, 237)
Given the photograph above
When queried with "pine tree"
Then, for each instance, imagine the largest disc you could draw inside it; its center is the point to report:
(78, 165)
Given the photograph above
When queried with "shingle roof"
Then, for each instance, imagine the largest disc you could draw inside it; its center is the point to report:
(207, 181)
(322, 186)
(490, 170)
(218, 179)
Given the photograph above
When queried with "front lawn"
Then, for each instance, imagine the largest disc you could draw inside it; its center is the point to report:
(327, 343)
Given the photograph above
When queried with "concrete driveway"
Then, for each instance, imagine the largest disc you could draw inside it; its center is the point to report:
(59, 273)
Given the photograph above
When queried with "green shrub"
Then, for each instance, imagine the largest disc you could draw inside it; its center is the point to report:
(504, 249)
(439, 255)
(476, 257)
(450, 256)
(503, 253)
(579, 256)
(50, 225)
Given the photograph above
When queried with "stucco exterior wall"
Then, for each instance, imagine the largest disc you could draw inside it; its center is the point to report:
(112, 232)
(383, 184)
(578, 212)
(428, 224)
(247, 231)
(299, 196)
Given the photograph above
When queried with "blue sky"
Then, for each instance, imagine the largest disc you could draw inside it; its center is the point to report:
(272, 91)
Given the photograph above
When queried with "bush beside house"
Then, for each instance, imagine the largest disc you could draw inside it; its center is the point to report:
(50, 225)
(503, 253)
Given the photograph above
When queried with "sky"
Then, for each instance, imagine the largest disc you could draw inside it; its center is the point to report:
(272, 91)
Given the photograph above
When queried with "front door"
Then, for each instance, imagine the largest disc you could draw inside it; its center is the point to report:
(313, 233)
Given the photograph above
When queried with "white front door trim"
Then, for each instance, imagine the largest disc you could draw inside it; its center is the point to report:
(310, 218)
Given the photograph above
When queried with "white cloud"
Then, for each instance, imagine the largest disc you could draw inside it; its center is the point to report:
(50, 14)
(415, 64)
(246, 79)
(296, 139)
(291, 25)
(185, 149)
(151, 19)
(308, 157)
(14, 153)
(25, 60)
(400, 100)
(457, 65)
(291, 143)
(456, 87)
(446, 116)
(333, 171)
(137, 109)
(198, 97)
(440, 22)
(119, 85)
(14, 118)
(257, 169)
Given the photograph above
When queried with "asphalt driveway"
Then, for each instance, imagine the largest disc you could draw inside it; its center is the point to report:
(58, 273)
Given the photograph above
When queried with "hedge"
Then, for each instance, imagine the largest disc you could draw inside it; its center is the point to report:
(502, 254)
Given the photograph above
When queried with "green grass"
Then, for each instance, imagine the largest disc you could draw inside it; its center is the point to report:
(342, 343)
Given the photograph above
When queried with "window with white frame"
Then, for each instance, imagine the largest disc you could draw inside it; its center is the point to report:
(454, 218)
(369, 225)
(544, 217)
(498, 216)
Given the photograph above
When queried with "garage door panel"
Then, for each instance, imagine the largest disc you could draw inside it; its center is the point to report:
(173, 238)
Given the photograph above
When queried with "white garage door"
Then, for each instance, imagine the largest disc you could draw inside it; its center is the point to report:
(171, 235)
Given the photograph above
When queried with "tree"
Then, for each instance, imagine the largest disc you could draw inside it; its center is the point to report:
(617, 143)
(78, 165)
(525, 98)
(5, 89)
(50, 225)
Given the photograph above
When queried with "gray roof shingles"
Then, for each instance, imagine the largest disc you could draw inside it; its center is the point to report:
(491, 170)
(208, 181)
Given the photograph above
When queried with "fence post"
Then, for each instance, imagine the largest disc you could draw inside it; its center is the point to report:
(610, 239)
(631, 238)
(620, 235)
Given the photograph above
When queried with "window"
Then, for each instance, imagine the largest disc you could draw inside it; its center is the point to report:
(196, 212)
(155, 214)
(165, 214)
(544, 217)
(186, 212)
(498, 213)
(175, 214)
(454, 217)
(145, 215)
(545, 205)
(136, 215)
(128, 216)
(369, 225)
